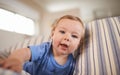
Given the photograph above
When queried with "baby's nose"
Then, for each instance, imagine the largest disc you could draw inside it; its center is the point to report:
(67, 37)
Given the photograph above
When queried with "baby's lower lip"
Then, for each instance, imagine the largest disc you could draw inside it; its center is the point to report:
(64, 47)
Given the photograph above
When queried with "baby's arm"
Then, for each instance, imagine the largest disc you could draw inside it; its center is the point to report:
(16, 59)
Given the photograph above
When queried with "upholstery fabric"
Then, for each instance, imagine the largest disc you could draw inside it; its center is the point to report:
(101, 51)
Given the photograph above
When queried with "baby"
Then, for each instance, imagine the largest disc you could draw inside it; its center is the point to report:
(54, 57)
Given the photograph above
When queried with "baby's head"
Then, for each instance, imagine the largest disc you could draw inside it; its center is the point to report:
(67, 35)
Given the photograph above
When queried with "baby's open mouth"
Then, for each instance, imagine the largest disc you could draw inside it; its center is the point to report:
(64, 46)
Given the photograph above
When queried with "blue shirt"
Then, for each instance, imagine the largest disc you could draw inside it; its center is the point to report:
(43, 63)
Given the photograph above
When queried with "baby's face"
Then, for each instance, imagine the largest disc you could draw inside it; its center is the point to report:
(66, 36)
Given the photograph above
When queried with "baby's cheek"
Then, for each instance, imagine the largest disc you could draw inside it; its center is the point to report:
(73, 48)
(56, 43)
(76, 45)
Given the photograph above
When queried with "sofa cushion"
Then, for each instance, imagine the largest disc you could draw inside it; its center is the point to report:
(101, 50)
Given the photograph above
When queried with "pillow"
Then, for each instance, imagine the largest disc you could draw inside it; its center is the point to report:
(101, 52)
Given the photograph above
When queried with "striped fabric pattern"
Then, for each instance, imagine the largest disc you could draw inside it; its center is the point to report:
(101, 52)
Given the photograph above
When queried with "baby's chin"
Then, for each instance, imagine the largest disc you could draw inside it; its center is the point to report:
(65, 52)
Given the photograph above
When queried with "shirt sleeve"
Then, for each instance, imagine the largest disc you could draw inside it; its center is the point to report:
(37, 52)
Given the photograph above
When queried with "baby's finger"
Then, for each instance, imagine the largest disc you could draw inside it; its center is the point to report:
(7, 63)
(11, 63)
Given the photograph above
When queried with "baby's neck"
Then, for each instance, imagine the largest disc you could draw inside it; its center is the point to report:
(61, 60)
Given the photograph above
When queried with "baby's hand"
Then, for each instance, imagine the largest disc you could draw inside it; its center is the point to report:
(12, 63)
(16, 59)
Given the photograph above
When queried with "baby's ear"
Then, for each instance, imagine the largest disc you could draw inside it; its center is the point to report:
(51, 35)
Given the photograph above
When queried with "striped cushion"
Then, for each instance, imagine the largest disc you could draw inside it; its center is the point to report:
(101, 51)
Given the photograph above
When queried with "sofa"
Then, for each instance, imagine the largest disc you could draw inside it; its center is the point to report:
(100, 54)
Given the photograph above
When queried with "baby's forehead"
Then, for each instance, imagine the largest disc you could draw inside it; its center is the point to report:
(69, 22)
(71, 26)
(68, 19)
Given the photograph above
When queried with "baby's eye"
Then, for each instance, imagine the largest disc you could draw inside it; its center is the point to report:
(74, 36)
(61, 31)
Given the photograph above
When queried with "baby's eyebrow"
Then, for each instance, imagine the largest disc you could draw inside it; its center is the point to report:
(61, 28)
(75, 32)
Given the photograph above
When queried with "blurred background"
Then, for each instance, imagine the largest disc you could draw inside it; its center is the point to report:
(21, 19)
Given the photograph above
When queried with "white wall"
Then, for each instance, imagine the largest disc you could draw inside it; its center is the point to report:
(23, 7)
